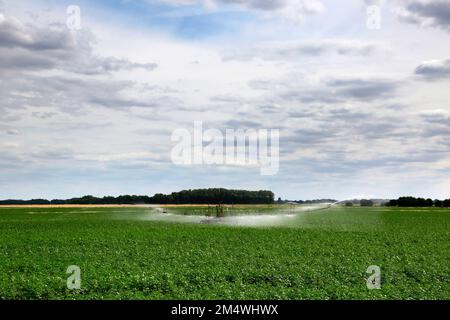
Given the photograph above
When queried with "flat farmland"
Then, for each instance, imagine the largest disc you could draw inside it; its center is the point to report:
(138, 252)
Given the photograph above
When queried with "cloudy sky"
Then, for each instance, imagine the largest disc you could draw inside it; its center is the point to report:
(362, 111)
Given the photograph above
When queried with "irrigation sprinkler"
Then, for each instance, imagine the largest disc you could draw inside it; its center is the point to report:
(219, 211)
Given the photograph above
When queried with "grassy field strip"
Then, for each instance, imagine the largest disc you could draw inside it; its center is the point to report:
(318, 255)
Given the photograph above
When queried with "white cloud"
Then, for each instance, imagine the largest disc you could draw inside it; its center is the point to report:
(26, 46)
(426, 13)
(434, 69)
(292, 10)
(142, 156)
(287, 50)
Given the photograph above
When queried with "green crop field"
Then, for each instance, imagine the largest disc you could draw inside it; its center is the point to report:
(135, 253)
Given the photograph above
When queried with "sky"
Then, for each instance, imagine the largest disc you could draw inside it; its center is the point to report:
(361, 100)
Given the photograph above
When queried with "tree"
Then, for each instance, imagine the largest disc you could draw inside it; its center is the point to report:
(349, 204)
(438, 203)
(366, 203)
(418, 202)
(215, 196)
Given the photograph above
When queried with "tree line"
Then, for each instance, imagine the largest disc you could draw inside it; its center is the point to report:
(362, 203)
(315, 201)
(216, 196)
(197, 196)
(125, 199)
(418, 202)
